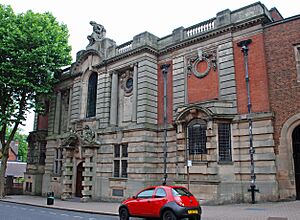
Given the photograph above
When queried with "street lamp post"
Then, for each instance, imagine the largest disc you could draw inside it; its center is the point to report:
(164, 69)
(244, 45)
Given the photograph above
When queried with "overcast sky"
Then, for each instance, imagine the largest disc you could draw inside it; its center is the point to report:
(124, 19)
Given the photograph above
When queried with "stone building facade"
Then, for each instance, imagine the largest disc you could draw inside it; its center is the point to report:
(105, 134)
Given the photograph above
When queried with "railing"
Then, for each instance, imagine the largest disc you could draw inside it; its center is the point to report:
(200, 28)
(124, 47)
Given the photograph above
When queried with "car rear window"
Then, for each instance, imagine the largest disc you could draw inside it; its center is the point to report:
(180, 192)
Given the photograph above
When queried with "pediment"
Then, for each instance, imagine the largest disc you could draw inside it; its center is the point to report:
(86, 60)
(207, 110)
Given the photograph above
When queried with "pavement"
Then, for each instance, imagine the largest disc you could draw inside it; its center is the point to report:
(259, 211)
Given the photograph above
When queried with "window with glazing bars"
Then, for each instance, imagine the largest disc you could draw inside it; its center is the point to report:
(42, 152)
(58, 161)
(92, 95)
(197, 137)
(224, 141)
(120, 160)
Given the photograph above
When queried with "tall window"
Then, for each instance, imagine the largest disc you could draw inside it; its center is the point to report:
(224, 141)
(197, 137)
(120, 160)
(58, 161)
(42, 152)
(92, 95)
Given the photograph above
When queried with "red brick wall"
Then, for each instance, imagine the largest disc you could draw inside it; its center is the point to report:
(282, 74)
(160, 94)
(42, 122)
(257, 75)
(12, 156)
(202, 89)
(275, 14)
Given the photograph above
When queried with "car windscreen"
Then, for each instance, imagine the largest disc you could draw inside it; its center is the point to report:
(180, 192)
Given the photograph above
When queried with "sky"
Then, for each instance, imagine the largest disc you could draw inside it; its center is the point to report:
(123, 19)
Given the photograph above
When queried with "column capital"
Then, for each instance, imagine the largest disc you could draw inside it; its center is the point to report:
(112, 72)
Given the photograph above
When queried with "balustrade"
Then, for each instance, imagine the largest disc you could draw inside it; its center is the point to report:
(200, 28)
(124, 47)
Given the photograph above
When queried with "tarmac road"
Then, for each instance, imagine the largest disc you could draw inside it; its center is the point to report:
(10, 211)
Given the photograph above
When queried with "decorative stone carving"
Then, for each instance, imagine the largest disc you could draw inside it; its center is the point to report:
(126, 81)
(98, 34)
(208, 57)
(71, 140)
(88, 134)
(86, 137)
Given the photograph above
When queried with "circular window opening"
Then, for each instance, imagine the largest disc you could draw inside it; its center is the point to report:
(129, 85)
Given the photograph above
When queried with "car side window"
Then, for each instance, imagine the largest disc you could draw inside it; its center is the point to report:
(160, 193)
(146, 193)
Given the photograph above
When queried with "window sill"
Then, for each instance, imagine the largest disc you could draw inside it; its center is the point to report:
(225, 162)
(117, 179)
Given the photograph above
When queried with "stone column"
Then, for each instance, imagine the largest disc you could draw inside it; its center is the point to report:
(114, 99)
(57, 113)
(134, 92)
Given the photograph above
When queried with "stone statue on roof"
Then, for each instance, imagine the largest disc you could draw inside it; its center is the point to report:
(98, 34)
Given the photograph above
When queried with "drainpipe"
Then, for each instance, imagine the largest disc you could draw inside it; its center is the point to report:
(164, 69)
(244, 45)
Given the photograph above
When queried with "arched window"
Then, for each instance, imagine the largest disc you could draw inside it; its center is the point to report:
(92, 95)
(197, 137)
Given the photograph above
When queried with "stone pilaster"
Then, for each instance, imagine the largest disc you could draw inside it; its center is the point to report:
(114, 99)
(70, 106)
(57, 113)
(135, 85)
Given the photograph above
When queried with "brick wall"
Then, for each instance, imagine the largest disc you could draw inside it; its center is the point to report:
(42, 122)
(12, 156)
(202, 89)
(282, 74)
(161, 94)
(257, 75)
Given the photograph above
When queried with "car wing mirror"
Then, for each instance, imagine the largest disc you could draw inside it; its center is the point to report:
(134, 197)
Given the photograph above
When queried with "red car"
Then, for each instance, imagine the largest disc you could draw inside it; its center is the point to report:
(165, 202)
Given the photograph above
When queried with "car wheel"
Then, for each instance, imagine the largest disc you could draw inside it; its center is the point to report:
(124, 214)
(169, 215)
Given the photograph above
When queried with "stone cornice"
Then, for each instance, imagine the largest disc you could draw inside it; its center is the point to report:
(142, 49)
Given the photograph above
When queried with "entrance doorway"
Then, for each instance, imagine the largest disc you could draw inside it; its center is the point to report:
(79, 187)
(296, 155)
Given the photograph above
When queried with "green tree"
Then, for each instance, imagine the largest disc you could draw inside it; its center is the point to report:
(23, 145)
(33, 47)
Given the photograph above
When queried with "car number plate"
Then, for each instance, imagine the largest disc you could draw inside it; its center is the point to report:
(192, 211)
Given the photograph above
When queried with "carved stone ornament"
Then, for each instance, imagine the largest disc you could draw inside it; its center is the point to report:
(208, 57)
(98, 34)
(86, 137)
(71, 140)
(126, 81)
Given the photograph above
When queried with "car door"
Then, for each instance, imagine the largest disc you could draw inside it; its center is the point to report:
(158, 201)
(140, 206)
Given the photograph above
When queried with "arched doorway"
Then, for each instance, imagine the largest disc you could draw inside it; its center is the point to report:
(79, 187)
(296, 155)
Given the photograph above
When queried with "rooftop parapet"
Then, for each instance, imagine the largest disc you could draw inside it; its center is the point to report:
(223, 19)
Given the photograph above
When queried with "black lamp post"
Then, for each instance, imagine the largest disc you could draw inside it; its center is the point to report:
(244, 45)
(164, 69)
